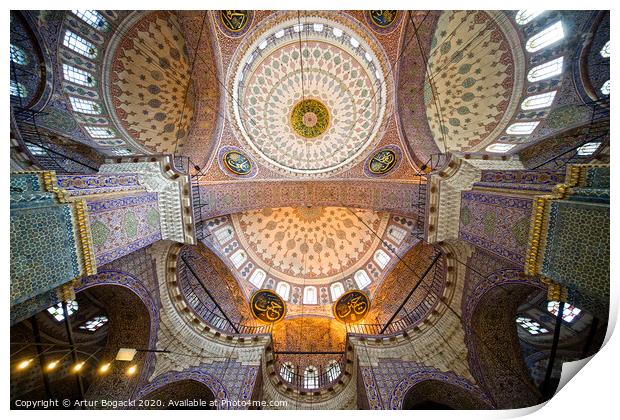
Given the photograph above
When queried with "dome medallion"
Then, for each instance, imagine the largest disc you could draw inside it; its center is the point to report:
(309, 98)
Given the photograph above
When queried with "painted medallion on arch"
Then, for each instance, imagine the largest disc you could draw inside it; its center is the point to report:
(384, 161)
(383, 21)
(235, 162)
(352, 307)
(267, 306)
(235, 23)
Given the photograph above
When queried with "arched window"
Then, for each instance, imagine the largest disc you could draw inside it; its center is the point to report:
(499, 147)
(78, 76)
(336, 289)
(57, 312)
(283, 289)
(18, 56)
(522, 128)
(542, 100)
(286, 371)
(333, 370)
(224, 234)
(238, 258)
(84, 105)
(94, 324)
(93, 18)
(569, 313)
(122, 152)
(523, 17)
(258, 277)
(362, 279)
(311, 378)
(396, 234)
(531, 326)
(99, 132)
(606, 88)
(381, 258)
(79, 45)
(310, 296)
(546, 70)
(36, 150)
(546, 37)
(588, 148)
(17, 89)
(606, 50)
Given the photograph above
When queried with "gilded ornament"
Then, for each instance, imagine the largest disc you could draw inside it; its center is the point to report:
(234, 20)
(382, 162)
(267, 306)
(351, 307)
(310, 118)
(237, 163)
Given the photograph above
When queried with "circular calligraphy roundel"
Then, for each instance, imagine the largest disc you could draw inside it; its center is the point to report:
(267, 306)
(352, 307)
(383, 161)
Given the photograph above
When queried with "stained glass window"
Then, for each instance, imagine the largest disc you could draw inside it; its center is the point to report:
(546, 70)
(362, 279)
(606, 88)
(79, 45)
(93, 18)
(531, 326)
(523, 17)
(76, 75)
(333, 370)
(499, 147)
(606, 50)
(258, 277)
(94, 324)
(569, 313)
(122, 152)
(546, 37)
(17, 89)
(588, 148)
(336, 289)
(522, 128)
(283, 289)
(57, 312)
(381, 258)
(36, 150)
(397, 234)
(18, 56)
(100, 132)
(286, 371)
(311, 378)
(310, 295)
(85, 106)
(238, 258)
(224, 234)
(542, 100)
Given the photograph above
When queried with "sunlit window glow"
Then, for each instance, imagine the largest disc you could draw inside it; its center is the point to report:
(99, 132)
(546, 37)
(569, 313)
(79, 45)
(606, 50)
(606, 88)
(362, 279)
(283, 289)
(17, 89)
(94, 324)
(588, 148)
(18, 56)
(531, 326)
(522, 128)
(499, 147)
(57, 312)
(336, 289)
(84, 105)
(311, 378)
(78, 76)
(523, 17)
(93, 18)
(542, 100)
(333, 370)
(546, 70)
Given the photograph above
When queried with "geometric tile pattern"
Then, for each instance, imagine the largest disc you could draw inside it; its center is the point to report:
(122, 225)
(497, 223)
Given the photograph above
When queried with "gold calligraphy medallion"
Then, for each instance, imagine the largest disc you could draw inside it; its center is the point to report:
(351, 307)
(267, 306)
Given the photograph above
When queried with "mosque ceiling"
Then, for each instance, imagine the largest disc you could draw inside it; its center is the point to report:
(310, 255)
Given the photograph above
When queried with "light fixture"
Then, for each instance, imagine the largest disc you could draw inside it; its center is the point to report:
(78, 366)
(52, 365)
(125, 354)
(24, 364)
(131, 370)
(104, 368)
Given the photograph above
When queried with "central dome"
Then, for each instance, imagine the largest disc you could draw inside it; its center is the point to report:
(308, 95)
